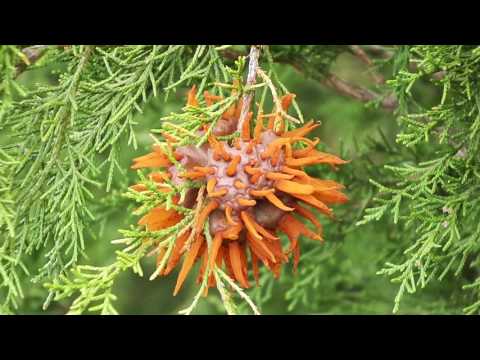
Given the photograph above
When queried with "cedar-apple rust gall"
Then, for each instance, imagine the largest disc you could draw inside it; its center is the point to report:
(255, 188)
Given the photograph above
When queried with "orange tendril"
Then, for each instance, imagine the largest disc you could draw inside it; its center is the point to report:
(293, 187)
(192, 97)
(228, 215)
(239, 185)
(278, 176)
(278, 203)
(257, 132)
(251, 170)
(211, 185)
(246, 202)
(246, 127)
(261, 193)
(236, 261)
(249, 225)
(232, 167)
(187, 264)
(202, 217)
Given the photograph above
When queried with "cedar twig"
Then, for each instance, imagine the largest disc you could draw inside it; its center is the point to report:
(275, 97)
(239, 290)
(251, 78)
(363, 57)
(359, 93)
(343, 87)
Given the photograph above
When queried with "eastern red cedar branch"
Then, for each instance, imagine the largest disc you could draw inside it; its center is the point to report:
(359, 93)
(363, 57)
(332, 81)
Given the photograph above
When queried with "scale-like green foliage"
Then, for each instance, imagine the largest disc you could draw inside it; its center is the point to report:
(67, 132)
(435, 195)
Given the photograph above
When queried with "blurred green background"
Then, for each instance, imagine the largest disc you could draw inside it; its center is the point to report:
(347, 278)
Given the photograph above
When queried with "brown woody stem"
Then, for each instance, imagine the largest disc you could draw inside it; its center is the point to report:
(251, 78)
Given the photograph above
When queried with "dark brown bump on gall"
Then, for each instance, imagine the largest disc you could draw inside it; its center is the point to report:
(268, 215)
(217, 221)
